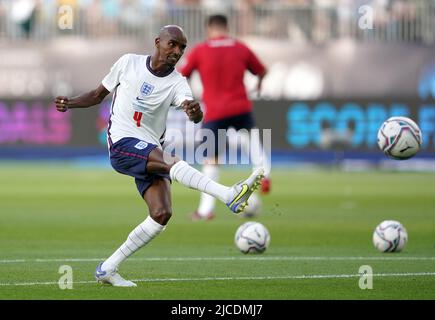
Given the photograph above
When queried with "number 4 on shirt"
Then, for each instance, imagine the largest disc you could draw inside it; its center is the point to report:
(137, 117)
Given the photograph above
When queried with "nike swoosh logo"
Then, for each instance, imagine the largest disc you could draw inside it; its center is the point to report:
(100, 272)
(403, 150)
(139, 99)
(241, 194)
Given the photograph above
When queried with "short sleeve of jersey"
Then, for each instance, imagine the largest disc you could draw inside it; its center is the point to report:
(254, 64)
(112, 79)
(182, 92)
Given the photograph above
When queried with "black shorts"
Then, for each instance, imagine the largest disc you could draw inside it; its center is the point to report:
(129, 156)
(242, 121)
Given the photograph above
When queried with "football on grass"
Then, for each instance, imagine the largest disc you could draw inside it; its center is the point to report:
(252, 237)
(390, 236)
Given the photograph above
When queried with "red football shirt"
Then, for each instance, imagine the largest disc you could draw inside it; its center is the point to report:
(221, 63)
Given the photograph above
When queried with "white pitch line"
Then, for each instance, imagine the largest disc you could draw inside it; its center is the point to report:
(288, 277)
(255, 258)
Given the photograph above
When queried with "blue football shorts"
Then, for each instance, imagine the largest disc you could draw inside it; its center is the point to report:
(129, 156)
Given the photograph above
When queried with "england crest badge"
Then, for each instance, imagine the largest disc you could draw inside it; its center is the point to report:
(146, 89)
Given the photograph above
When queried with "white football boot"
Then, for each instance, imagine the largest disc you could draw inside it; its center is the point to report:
(241, 191)
(112, 277)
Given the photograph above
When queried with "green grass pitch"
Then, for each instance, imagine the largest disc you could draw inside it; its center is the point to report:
(321, 224)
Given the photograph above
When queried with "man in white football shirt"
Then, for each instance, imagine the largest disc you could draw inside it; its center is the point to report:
(145, 87)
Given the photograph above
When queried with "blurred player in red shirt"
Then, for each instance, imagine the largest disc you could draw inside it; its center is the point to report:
(221, 62)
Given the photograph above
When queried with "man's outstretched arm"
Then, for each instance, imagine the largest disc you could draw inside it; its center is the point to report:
(85, 100)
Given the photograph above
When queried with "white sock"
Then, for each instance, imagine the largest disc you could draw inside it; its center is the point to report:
(192, 178)
(139, 237)
(207, 202)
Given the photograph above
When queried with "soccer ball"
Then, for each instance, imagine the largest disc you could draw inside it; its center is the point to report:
(253, 208)
(252, 237)
(390, 236)
(399, 138)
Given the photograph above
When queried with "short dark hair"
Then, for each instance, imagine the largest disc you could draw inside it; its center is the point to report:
(217, 20)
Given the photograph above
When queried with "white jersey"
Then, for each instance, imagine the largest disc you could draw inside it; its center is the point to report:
(142, 99)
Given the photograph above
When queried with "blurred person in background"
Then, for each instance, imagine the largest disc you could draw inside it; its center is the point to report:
(221, 62)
